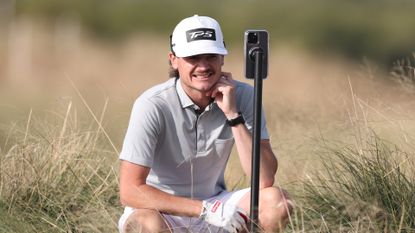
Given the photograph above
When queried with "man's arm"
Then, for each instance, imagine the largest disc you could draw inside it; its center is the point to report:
(224, 93)
(135, 193)
(268, 161)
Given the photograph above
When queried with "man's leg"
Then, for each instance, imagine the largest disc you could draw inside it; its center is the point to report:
(145, 221)
(274, 208)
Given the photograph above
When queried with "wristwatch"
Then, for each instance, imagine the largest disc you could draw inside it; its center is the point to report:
(236, 121)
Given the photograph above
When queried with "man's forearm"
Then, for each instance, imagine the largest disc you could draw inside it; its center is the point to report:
(268, 162)
(135, 193)
(147, 197)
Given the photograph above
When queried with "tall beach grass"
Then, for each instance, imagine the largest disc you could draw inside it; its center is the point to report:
(57, 177)
(369, 189)
(347, 170)
(365, 183)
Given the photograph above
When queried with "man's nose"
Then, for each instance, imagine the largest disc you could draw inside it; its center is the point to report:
(203, 62)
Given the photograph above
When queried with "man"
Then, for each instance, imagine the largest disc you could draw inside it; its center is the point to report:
(179, 139)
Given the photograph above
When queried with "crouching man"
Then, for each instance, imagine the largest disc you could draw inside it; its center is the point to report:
(180, 135)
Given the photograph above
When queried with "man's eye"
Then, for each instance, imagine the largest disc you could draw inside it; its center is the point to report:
(192, 58)
(212, 57)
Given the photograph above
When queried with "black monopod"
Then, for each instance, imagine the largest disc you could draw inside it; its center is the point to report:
(256, 67)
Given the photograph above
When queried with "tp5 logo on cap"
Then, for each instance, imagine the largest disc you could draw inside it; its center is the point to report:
(200, 34)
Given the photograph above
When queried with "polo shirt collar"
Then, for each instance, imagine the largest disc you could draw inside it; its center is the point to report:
(184, 98)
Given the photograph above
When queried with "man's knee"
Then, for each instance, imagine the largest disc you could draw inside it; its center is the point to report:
(276, 198)
(145, 221)
(275, 207)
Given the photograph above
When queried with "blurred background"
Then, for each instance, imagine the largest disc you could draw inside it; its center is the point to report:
(338, 70)
(120, 47)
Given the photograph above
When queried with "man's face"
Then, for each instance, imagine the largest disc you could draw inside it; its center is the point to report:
(200, 72)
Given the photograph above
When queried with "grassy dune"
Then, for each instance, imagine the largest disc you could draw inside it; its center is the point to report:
(343, 132)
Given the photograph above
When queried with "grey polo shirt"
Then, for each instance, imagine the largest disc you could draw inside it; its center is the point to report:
(186, 151)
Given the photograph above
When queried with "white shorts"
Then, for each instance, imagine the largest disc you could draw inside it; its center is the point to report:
(181, 224)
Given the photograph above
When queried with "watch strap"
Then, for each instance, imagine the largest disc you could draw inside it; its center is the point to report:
(236, 121)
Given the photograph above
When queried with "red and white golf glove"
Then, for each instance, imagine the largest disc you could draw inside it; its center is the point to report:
(229, 217)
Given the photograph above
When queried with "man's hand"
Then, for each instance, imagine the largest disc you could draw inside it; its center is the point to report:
(226, 216)
(224, 94)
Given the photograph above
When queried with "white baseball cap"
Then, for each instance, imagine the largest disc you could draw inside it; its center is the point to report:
(197, 35)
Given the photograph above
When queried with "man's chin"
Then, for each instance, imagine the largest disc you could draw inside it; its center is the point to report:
(204, 88)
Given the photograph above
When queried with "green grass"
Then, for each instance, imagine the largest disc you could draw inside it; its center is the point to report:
(10, 220)
(379, 30)
(369, 189)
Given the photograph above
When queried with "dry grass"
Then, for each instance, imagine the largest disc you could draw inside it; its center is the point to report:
(64, 113)
(57, 175)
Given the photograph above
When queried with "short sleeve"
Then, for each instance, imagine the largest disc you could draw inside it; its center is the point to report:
(142, 133)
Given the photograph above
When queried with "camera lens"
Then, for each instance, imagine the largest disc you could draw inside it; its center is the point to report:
(253, 38)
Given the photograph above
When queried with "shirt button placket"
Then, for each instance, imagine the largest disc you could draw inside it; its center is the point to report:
(201, 142)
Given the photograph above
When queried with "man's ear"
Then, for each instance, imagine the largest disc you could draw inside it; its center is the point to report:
(173, 61)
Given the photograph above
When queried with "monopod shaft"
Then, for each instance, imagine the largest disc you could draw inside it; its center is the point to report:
(255, 163)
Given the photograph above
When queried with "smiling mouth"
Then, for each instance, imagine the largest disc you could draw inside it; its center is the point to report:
(205, 75)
